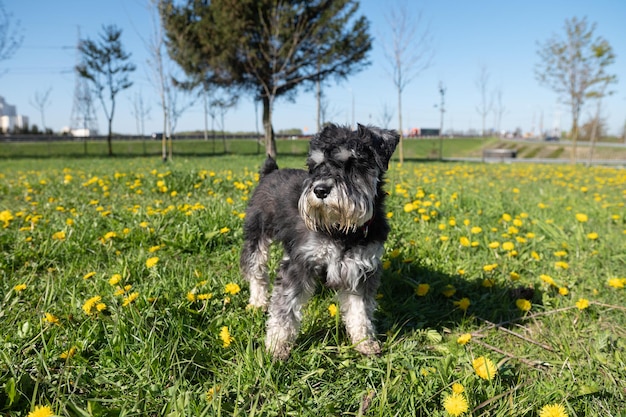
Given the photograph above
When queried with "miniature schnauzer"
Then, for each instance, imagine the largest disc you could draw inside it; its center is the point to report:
(332, 224)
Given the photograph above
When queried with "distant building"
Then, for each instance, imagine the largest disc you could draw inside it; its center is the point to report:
(9, 119)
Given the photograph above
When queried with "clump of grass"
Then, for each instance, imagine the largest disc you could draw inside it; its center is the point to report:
(502, 293)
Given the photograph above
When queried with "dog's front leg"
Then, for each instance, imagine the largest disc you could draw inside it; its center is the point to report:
(294, 286)
(357, 311)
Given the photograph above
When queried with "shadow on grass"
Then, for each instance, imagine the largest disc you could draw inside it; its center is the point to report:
(401, 310)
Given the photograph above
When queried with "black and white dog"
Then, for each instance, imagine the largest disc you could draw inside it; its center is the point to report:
(332, 224)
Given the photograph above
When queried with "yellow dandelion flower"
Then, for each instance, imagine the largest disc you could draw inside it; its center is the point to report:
(191, 296)
(592, 236)
(490, 267)
(58, 235)
(115, 279)
(6, 216)
(463, 303)
(514, 276)
(523, 304)
(154, 248)
(51, 318)
(455, 404)
(508, 246)
(92, 304)
(227, 339)
(109, 235)
(89, 275)
(547, 279)
(563, 291)
(506, 217)
(332, 310)
(224, 230)
(484, 368)
(204, 297)
(535, 255)
(69, 353)
(552, 410)
(561, 264)
(41, 411)
(464, 339)
(582, 303)
(448, 291)
(422, 289)
(457, 388)
(476, 230)
(464, 241)
(409, 207)
(582, 218)
(231, 288)
(617, 282)
(488, 283)
(494, 245)
(211, 393)
(19, 287)
(131, 297)
(150, 262)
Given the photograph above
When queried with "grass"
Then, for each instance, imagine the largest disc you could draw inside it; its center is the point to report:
(159, 244)
(414, 148)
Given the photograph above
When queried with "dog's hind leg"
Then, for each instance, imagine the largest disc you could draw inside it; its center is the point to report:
(253, 264)
(293, 287)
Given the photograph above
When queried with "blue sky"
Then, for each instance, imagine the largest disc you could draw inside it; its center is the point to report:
(501, 36)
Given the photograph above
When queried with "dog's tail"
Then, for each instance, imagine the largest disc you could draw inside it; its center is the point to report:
(270, 165)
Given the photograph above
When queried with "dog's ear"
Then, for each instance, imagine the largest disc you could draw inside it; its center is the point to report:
(384, 142)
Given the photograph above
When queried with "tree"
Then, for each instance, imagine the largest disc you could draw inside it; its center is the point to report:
(575, 67)
(498, 109)
(486, 104)
(106, 67)
(10, 37)
(40, 102)
(269, 48)
(409, 53)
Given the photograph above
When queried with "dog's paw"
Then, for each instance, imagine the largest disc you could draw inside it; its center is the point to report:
(369, 347)
(257, 303)
(280, 352)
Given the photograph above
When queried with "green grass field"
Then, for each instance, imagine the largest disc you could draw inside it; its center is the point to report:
(503, 295)
(414, 148)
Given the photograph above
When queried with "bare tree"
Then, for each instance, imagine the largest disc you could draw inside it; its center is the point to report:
(141, 111)
(156, 62)
(40, 102)
(575, 67)
(385, 116)
(442, 109)
(498, 109)
(409, 52)
(10, 36)
(486, 103)
(601, 91)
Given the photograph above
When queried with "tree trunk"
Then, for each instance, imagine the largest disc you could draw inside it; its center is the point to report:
(575, 114)
(594, 133)
(270, 142)
(109, 137)
(401, 143)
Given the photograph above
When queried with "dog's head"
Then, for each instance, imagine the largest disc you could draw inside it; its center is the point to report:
(346, 168)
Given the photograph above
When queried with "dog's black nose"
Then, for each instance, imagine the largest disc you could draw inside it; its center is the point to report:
(322, 191)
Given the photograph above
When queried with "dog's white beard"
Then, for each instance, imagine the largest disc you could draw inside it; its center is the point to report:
(338, 211)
